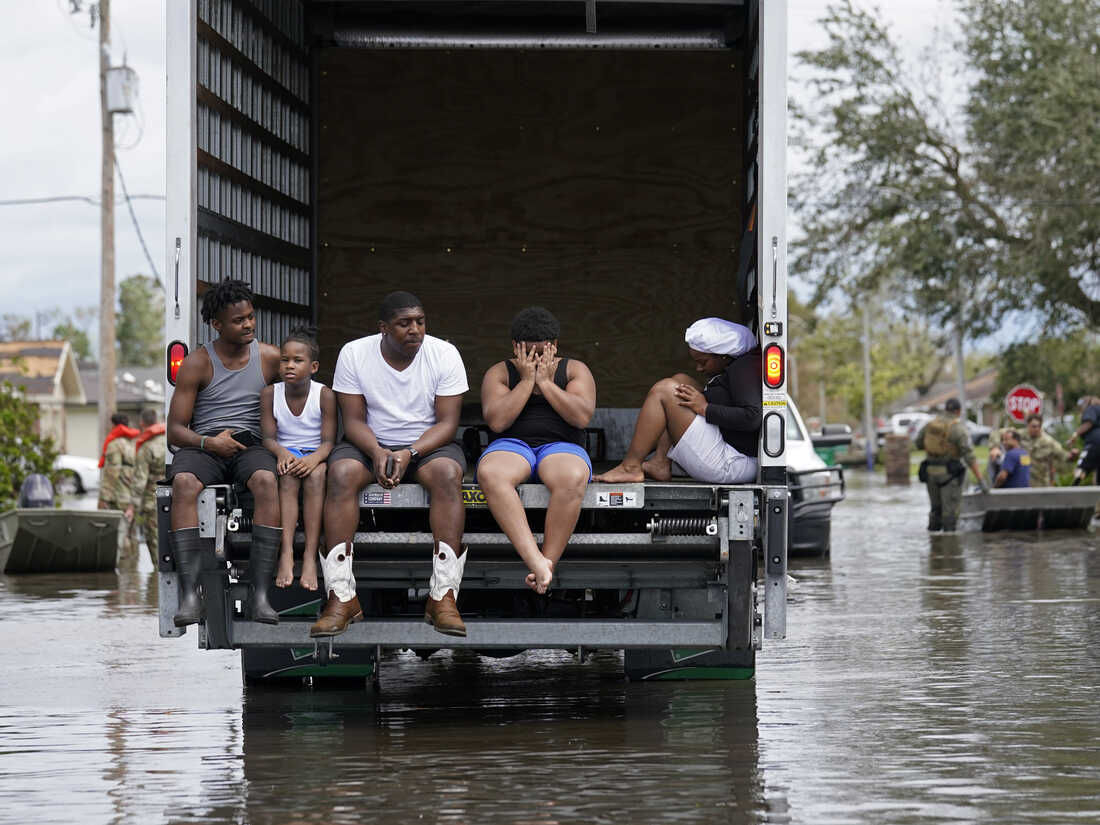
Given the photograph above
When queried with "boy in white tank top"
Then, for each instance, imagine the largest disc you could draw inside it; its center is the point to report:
(298, 420)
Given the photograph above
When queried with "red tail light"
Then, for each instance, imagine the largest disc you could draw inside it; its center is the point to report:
(177, 351)
(773, 366)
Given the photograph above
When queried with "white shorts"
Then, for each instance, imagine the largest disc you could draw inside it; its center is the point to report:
(706, 456)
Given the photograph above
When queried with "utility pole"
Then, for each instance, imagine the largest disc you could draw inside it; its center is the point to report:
(107, 232)
(868, 422)
(960, 367)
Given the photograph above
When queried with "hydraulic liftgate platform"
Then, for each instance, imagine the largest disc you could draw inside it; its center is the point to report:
(677, 563)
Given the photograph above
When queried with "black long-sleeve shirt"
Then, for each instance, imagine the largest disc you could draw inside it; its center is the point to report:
(734, 402)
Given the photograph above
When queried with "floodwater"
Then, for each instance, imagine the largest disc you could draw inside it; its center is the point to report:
(924, 679)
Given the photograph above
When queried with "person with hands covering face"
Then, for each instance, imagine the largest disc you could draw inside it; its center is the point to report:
(710, 429)
(538, 405)
(214, 420)
(298, 419)
(400, 394)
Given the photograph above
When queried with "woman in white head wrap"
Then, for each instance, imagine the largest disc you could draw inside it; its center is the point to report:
(711, 430)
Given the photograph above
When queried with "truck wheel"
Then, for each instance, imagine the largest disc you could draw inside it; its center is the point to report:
(662, 665)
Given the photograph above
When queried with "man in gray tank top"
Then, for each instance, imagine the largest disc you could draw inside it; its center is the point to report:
(214, 419)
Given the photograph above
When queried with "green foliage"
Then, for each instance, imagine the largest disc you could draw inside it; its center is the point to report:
(1071, 360)
(905, 357)
(960, 217)
(140, 322)
(77, 338)
(14, 327)
(22, 450)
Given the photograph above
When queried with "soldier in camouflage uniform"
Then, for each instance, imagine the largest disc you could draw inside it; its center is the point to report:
(1045, 452)
(148, 468)
(117, 463)
(946, 441)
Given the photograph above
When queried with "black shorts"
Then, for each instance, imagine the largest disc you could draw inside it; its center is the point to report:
(212, 469)
(1090, 458)
(451, 450)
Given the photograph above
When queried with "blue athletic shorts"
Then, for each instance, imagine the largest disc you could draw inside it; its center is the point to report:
(298, 452)
(535, 455)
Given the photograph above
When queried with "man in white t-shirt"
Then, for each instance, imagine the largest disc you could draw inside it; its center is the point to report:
(400, 395)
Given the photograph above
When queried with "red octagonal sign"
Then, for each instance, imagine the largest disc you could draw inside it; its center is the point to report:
(1023, 400)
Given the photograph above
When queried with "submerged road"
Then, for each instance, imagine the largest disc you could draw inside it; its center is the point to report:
(925, 679)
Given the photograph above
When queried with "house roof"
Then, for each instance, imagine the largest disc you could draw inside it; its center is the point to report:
(46, 369)
(978, 389)
(134, 386)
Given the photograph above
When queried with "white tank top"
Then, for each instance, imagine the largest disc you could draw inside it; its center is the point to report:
(303, 431)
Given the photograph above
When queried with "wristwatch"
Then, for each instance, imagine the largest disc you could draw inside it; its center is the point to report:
(413, 453)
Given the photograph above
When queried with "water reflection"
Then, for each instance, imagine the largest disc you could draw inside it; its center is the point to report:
(534, 739)
(926, 678)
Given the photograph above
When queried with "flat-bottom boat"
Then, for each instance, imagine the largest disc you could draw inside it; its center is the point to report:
(1029, 508)
(45, 540)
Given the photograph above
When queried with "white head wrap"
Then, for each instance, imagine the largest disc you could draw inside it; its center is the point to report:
(718, 336)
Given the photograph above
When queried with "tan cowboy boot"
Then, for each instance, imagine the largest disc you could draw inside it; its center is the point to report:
(342, 607)
(441, 609)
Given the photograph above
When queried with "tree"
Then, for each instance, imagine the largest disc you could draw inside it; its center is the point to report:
(140, 321)
(22, 450)
(961, 216)
(905, 358)
(14, 327)
(77, 338)
(1070, 360)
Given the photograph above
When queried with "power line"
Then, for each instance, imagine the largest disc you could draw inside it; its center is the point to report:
(137, 226)
(81, 198)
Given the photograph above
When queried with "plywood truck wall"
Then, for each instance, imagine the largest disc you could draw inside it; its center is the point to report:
(604, 185)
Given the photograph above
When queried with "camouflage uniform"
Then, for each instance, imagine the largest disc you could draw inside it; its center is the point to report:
(148, 469)
(1045, 452)
(114, 486)
(945, 490)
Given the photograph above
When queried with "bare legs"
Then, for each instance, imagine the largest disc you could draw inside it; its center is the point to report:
(314, 501)
(565, 477)
(442, 478)
(346, 478)
(661, 422)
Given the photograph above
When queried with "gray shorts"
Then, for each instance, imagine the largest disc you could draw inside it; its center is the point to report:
(451, 450)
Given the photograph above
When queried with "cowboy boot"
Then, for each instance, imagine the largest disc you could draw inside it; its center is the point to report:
(261, 570)
(187, 549)
(342, 607)
(441, 609)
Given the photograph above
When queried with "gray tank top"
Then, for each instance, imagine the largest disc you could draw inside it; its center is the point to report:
(232, 398)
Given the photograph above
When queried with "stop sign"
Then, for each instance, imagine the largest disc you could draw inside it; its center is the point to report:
(1023, 400)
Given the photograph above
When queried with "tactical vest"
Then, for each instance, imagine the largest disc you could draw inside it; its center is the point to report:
(936, 441)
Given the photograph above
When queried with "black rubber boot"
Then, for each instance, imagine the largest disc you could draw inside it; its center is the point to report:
(261, 570)
(187, 550)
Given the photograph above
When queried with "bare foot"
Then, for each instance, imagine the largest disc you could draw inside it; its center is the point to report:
(621, 474)
(539, 580)
(285, 574)
(308, 579)
(657, 469)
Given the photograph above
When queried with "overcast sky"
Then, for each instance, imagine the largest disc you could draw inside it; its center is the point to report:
(51, 144)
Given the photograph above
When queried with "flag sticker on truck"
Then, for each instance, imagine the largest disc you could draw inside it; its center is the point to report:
(373, 498)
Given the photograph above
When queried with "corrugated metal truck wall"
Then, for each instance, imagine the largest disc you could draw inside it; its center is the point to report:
(254, 183)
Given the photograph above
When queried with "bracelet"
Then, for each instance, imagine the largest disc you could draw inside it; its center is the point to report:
(202, 443)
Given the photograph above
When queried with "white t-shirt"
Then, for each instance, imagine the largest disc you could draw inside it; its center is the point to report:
(400, 403)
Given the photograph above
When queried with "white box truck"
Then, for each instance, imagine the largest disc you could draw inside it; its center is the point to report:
(622, 163)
